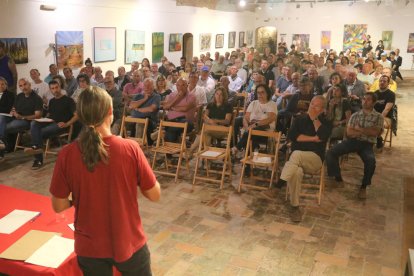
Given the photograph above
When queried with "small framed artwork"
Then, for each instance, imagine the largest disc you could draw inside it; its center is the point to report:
(219, 41)
(241, 39)
(205, 42)
(134, 46)
(104, 44)
(17, 49)
(175, 42)
(232, 39)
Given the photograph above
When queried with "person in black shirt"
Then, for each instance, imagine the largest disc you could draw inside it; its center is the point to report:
(267, 73)
(308, 134)
(384, 104)
(6, 104)
(61, 112)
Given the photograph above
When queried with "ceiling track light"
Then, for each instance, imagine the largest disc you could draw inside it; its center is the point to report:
(242, 3)
(47, 7)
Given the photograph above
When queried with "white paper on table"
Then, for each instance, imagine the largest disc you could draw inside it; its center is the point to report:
(6, 114)
(53, 253)
(72, 226)
(210, 153)
(263, 159)
(15, 219)
(44, 120)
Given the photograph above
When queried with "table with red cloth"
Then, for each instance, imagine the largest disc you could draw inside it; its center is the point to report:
(49, 221)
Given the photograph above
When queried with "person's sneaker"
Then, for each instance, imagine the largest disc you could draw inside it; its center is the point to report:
(37, 164)
(339, 179)
(2, 146)
(362, 194)
(33, 150)
(296, 214)
(380, 142)
(281, 183)
(270, 194)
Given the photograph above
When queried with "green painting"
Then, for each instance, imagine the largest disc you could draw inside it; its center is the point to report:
(157, 47)
(387, 39)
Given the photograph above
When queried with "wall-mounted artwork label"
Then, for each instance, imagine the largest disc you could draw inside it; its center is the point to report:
(134, 46)
(157, 47)
(69, 46)
(104, 43)
(16, 48)
(354, 36)
(175, 43)
(326, 40)
(205, 42)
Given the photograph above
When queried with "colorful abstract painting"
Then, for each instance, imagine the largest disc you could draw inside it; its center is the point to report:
(249, 38)
(69, 45)
(266, 37)
(175, 42)
(354, 36)
(387, 39)
(104, 41)
(410, 48)
(134, 46)
(205, 42)
(157, 47)
(219, 41)
(16, 48)
(325, 39)
(232, 40)
(301, 41)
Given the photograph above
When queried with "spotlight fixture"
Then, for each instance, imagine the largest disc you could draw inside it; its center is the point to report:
(47, 8)
(242, 3)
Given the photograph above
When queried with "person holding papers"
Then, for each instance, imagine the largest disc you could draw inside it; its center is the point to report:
(61, 114)
(102, 172)
(27, 106)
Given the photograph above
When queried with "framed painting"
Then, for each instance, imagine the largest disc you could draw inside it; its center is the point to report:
(104, 44)
(219, 41)
(232, 40)
(157, 47)
(69, 46)
(266, 37)
(205, 42)
(16, 48)
(249, 38)
(301, 41)
(241, 39)
(175, 42)
(325, 39)
(410, 47)
(134, 46)
(354, 36)
(387, 39)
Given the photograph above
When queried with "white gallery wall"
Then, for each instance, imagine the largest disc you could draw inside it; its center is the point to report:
(397, 17)
(23, 18)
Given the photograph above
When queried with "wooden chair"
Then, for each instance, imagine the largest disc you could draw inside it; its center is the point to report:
(261, 160)
(142, 141)
(388, 135)
(67, 135)
(315, 181)
(210, 153)
(19, 138)
(164, 147)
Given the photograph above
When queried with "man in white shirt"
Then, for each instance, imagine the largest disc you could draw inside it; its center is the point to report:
(235, 82)
(384, 61)
(206, 82)
(241, 72)
(196, 90)
(40, 87)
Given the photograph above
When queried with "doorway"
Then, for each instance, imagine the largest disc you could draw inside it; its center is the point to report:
(188, 46)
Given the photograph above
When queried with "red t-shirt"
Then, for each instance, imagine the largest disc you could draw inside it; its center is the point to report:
(107, 221)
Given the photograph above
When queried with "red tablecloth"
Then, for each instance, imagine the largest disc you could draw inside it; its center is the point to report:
(10, 199)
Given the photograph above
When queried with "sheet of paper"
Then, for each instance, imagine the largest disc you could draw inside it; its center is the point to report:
(24, 247)
(72, 226)
(53, 253)
(15, 219)
(210, 153)
(5, 114)
(263, 159)
(44, 120)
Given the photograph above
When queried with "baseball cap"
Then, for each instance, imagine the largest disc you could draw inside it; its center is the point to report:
(205, 69)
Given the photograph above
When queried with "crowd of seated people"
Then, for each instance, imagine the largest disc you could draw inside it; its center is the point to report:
(279, 86)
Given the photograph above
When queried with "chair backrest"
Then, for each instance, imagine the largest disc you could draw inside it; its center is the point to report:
(163, 124)
(131, 120)
(227, 130)
(274, 135)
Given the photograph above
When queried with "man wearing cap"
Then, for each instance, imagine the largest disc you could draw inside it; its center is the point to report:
(206, 82)
(384, 61)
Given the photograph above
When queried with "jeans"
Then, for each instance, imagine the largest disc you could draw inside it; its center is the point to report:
(3, 123)
(173, 133)
(363, 149)
(17, 125)
(138, 264)
(41, 131)
(238, 124)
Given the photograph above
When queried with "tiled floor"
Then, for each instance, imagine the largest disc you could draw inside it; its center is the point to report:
(206, 231)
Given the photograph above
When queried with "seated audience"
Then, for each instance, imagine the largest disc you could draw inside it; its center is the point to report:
(122, 78)
(355, 89)
(83, 83)
(71, 83)
(133, 88)
(117, 105)
(6, 104)
(339, 112)
(392, 84)
(362, 129)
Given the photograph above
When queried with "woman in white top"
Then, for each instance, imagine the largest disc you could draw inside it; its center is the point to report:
(260, 114)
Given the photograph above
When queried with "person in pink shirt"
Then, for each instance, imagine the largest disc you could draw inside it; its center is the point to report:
(134, 87)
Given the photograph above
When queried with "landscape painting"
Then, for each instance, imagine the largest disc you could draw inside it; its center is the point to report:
(69, 45)
(157, 47)
(16, 48)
